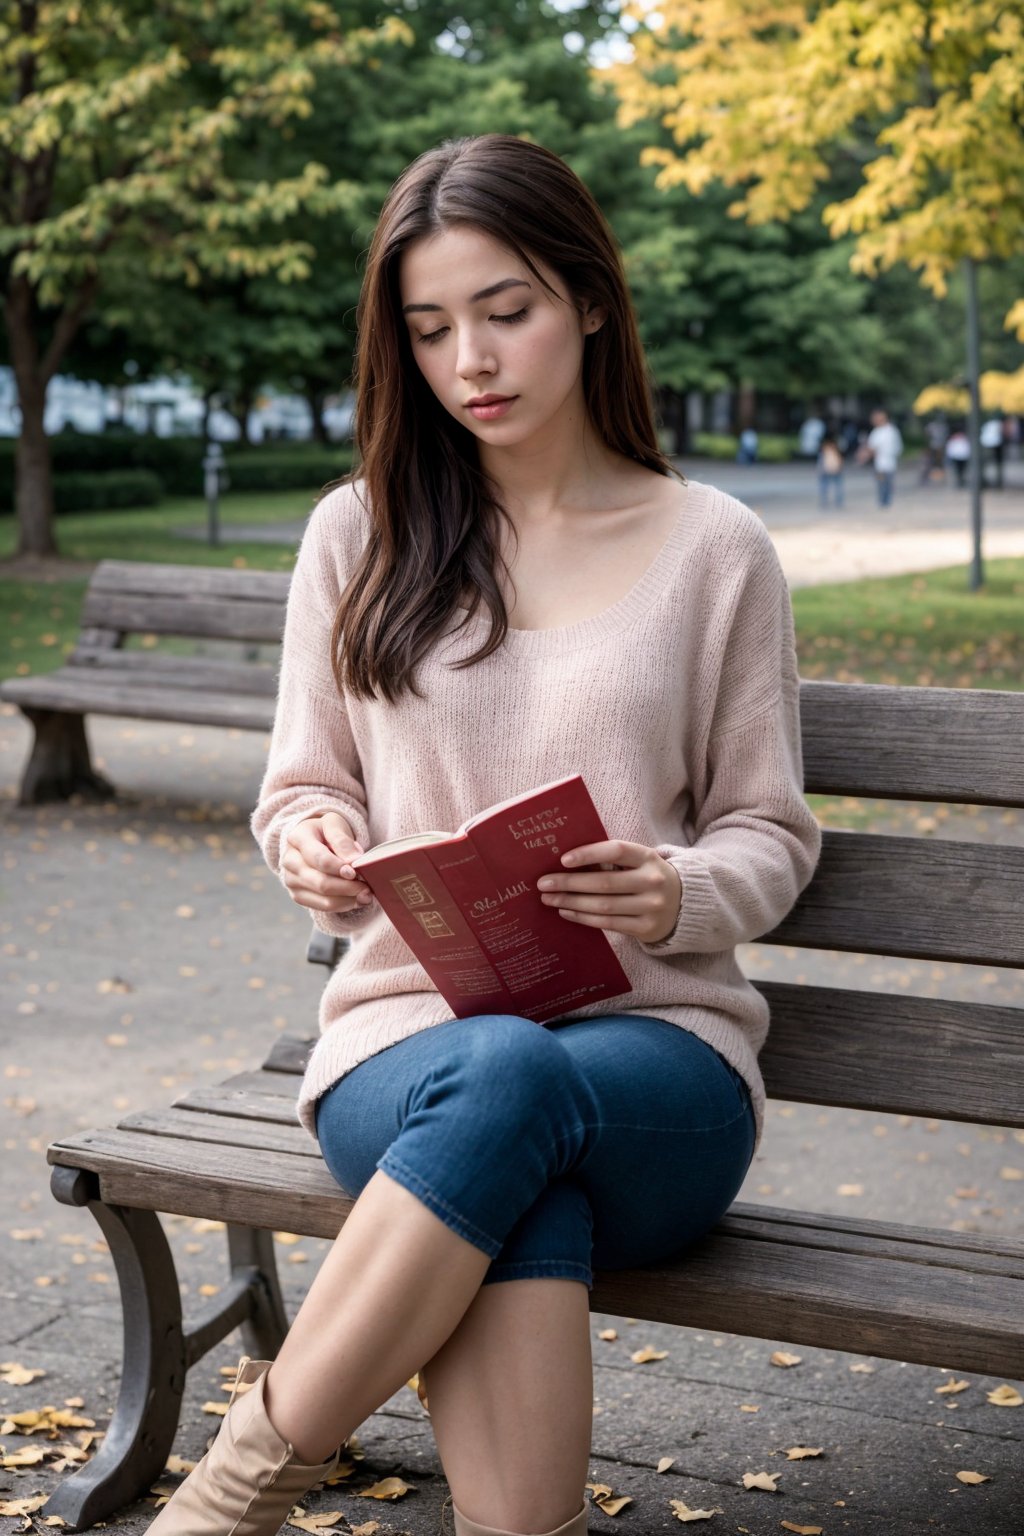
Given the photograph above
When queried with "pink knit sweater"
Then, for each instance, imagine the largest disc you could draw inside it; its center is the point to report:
(678, 705)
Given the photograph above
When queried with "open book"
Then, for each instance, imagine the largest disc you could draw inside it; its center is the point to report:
(467, 905)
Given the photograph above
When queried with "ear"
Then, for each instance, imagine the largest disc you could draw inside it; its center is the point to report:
(592, 317)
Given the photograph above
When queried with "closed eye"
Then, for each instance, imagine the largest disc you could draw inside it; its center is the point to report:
(520, 314)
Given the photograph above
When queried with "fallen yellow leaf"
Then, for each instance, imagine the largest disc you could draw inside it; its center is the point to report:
(608, 1334)
(217, 1408)
(750, 1408)
(863, 1370)
(685, 1514)
(613, 1506)
(801, 1452)
(765, 1480)
(665, 1463)
(31, 1456)
(1011, 1173)
(641, 1356)
(23, 1506)
(972, 1477)
(850, 1189)
(303, 1522)
(801, 1530)
(1005, 1397)
(952, 1386)
(780, 1357)
(16, 1375)
(388, 1488)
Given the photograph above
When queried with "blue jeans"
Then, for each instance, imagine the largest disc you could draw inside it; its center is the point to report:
(883, 480)
(613, 1141)
(827, 479)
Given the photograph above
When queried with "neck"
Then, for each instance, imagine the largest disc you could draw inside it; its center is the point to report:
(559, 470)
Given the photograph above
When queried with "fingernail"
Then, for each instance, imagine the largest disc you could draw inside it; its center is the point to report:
(568, 858)
(347, 872)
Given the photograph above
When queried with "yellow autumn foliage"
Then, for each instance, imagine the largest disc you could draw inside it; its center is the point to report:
(757, 94)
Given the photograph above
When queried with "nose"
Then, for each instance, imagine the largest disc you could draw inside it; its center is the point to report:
(474, 356)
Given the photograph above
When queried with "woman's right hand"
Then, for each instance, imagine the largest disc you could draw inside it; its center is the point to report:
(316, 869)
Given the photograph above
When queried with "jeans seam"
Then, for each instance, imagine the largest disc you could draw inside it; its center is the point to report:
(670, 1130)
(423, 1190)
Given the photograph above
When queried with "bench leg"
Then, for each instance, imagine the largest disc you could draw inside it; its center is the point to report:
(251, 1252)
(59, 765)
(140, 1434)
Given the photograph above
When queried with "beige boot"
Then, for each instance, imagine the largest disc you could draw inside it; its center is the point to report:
(248, 1481)
(577, 1526)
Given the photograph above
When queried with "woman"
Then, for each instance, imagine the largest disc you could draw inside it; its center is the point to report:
(517, 587)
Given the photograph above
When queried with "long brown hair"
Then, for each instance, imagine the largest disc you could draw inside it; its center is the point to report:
(434, 515)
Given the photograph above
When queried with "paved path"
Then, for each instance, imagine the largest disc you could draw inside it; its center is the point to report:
(145, 949)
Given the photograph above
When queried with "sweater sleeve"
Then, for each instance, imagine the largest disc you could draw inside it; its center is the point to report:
(313, 766)
(756, 840)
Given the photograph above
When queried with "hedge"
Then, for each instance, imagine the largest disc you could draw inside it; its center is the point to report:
(103, 493)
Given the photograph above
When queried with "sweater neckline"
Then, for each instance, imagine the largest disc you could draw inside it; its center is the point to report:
(599, 626)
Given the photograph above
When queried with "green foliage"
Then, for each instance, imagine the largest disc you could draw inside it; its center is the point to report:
(772, 447)
(117, 488)
(266, 469)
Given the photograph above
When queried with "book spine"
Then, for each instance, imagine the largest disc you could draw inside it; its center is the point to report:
(430, 919)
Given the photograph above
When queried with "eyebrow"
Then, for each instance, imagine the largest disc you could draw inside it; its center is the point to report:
(485, 293)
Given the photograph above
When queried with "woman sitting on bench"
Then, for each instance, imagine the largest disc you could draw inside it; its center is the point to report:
(516, 587)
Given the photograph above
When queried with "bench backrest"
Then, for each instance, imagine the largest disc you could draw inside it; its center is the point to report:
(130, 597)
(921, 898)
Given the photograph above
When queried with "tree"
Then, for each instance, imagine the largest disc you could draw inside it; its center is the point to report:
(772, 97)
(126, 136)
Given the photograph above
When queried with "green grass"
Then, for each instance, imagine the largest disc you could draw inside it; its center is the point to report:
(149, 532)
(929, 629)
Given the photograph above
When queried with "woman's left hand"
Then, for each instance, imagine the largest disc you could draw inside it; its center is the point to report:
(641, 896)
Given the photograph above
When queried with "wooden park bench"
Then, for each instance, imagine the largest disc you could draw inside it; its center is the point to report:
(236, 1153)
(101, 677)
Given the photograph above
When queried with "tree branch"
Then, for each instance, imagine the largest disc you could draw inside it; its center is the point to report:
(68, 321)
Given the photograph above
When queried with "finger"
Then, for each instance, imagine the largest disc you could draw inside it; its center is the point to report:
(609, 906)
(631, 925)
(622, 882)
(614, 852)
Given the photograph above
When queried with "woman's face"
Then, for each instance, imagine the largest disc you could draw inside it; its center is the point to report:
(482, 328)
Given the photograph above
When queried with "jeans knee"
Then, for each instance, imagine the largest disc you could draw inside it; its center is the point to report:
(514, 1073)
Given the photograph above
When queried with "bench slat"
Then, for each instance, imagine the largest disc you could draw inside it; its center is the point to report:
(154, 579)
(275, 1108)
(259, 678)
(950, 744)
(873, 1305)
(906, 1306)
(212, 617)
(73, 690)
(894, 1054)
(193, 1125)
(919, 898)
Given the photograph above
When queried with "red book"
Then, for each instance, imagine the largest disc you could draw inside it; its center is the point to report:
(467, 905)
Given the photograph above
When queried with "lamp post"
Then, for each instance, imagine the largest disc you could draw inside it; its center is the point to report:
(215, 480)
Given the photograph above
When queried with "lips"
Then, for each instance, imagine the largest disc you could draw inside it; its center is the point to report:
(491, 407)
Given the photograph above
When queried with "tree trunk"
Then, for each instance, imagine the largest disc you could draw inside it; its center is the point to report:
(33, 474)
(240, 407)
(315, 399)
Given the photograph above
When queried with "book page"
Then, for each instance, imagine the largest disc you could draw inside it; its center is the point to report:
(504, 805)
